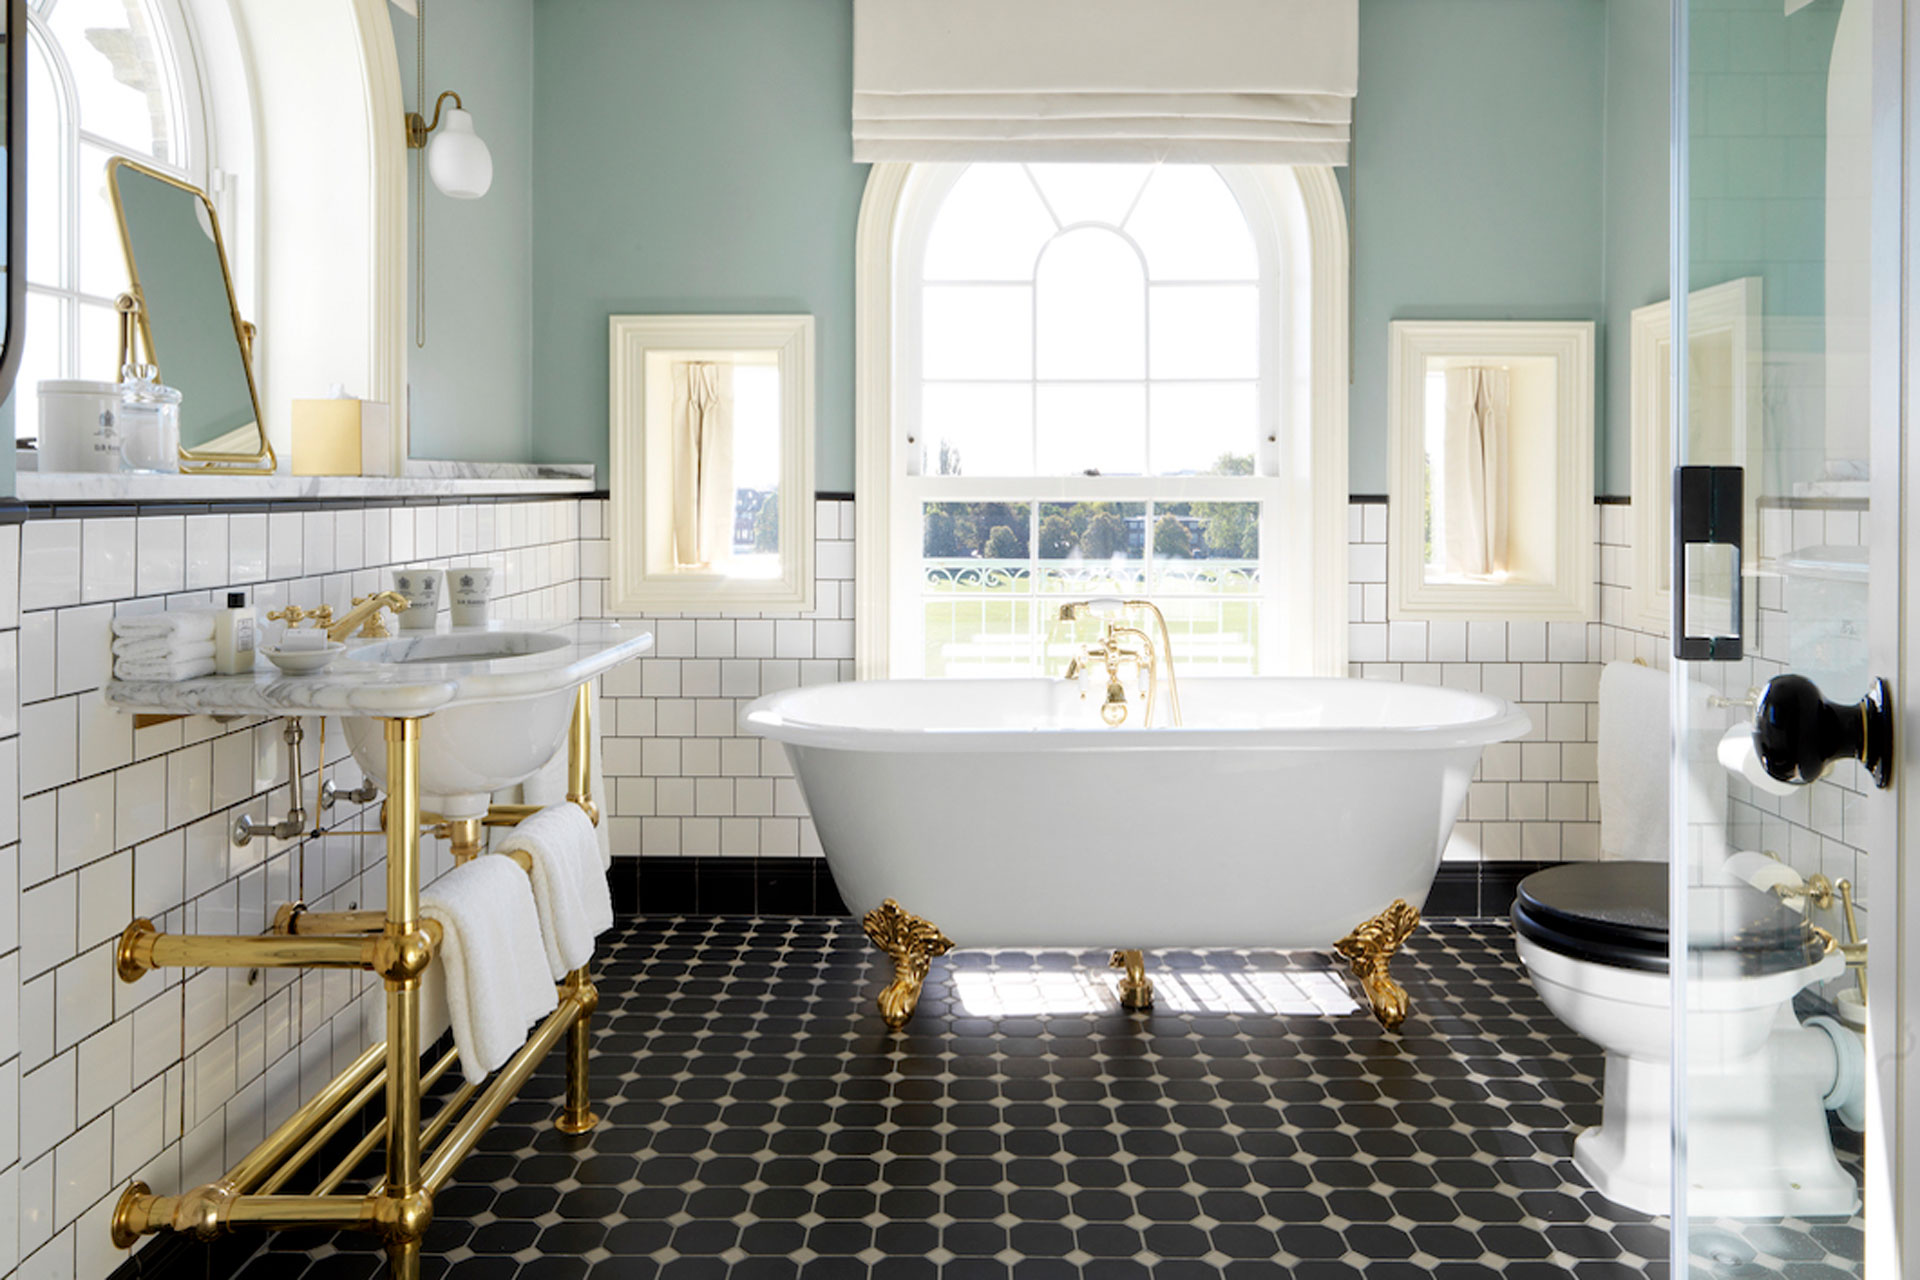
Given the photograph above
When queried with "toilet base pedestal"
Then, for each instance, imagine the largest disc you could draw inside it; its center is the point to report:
(1757, 1139)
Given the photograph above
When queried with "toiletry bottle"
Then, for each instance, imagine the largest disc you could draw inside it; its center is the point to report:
(233, 637)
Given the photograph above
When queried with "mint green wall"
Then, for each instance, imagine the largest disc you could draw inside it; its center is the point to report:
(690, 156)
(472, 384)
(1758, 129)
(1637, 250)
(1477, 178)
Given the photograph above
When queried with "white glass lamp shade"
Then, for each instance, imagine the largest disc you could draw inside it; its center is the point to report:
(459, 162)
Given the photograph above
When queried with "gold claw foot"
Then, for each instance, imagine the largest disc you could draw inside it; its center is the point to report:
(913, 943)
(1136, 988)
(1368, 949)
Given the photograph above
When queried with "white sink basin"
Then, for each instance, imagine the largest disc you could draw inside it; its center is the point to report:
(467, 752)
(493, 702)
(458, 647)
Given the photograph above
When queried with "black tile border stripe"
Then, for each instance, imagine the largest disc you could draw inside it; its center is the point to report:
(15, 512)
(781, 886)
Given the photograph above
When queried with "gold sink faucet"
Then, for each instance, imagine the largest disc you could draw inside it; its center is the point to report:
(365, 614)
(1119, 647)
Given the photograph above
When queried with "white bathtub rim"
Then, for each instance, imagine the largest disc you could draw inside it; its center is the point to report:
(770, 717)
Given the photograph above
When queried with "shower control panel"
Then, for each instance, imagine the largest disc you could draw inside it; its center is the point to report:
(1708, 516)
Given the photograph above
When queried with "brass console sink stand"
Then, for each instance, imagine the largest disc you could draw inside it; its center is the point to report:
(398, 945)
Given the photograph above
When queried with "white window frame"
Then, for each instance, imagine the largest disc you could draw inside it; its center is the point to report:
(1299, 221)
(641, 483)
(1568, 595)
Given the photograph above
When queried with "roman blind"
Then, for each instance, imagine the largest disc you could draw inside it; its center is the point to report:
(1188, 81)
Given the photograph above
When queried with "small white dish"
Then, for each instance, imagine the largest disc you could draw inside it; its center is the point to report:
(305, 662)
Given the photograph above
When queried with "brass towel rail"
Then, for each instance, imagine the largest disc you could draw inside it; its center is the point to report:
(398, 945)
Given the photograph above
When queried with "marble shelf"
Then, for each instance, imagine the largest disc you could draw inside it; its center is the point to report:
(423, 480)
(351, 687)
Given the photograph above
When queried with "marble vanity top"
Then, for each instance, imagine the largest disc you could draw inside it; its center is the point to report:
(399, 684)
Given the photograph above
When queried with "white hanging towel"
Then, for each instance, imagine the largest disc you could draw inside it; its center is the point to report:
(549, 786)
(569, 884)
(1636, 762)
(489, 980)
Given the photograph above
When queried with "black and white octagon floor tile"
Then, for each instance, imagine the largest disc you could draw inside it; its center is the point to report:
(760, 1122)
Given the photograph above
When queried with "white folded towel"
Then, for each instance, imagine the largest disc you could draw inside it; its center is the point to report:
(178, 624)
(162, 670)
(549, 786)
(569, 884)
(489, 980)
(162, 650)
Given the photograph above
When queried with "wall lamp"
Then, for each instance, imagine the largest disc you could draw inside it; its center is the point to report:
(456, 158)
(459, 163)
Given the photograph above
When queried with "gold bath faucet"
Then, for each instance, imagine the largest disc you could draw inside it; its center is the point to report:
(1121, 646)
(365, 614)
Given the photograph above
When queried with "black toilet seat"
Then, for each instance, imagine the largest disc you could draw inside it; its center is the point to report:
(1615, 913)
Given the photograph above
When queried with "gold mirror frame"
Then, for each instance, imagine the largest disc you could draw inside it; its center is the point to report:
(193, 459)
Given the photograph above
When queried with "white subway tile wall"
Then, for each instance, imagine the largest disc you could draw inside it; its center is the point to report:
(686, 782)
(173, 1078)
(1537, 799)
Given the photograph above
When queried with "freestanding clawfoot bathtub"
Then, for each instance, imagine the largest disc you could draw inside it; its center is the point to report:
(1286, 813)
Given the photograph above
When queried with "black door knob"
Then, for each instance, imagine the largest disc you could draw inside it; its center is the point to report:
(1797, 733)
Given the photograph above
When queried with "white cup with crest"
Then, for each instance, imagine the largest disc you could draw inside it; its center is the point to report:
(470, 588)
(421, 589)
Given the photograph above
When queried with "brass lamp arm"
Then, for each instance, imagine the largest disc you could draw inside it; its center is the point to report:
(418, 127)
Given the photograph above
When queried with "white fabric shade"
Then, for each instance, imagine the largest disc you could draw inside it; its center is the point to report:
(1193, 81)
(702, 463)
(1475, 503)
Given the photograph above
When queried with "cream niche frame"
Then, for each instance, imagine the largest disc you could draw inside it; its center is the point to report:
(1725, 431)
(644, 578)
(1556, 582)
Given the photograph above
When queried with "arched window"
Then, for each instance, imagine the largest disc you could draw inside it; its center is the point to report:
(105, 78)
(1100, 380)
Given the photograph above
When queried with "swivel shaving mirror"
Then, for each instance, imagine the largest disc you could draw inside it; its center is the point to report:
(183, 307)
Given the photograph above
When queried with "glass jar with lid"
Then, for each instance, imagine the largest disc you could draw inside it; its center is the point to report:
(149, 423)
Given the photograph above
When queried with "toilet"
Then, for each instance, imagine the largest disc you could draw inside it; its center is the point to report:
(1594, 937)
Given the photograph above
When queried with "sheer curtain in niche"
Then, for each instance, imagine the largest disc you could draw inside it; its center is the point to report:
(1475, 504)
(703, 498)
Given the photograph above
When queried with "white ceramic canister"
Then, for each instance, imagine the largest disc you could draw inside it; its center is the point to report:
(79, 426)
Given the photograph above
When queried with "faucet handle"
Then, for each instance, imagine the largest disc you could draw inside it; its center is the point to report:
(375, 627)
(291, 615)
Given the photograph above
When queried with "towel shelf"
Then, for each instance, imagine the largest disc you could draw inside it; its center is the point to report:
(398, 944)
